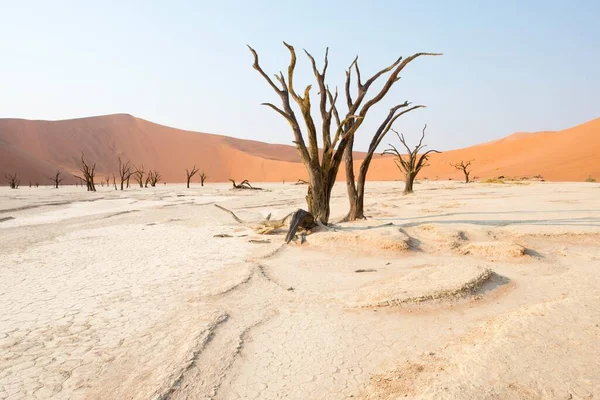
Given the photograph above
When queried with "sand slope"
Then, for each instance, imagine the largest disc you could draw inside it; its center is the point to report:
(34, 149)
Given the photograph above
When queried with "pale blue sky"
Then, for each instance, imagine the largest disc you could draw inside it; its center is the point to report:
(507, 66)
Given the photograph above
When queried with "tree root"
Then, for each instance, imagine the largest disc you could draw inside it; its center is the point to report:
(244, 185)
(263, 227)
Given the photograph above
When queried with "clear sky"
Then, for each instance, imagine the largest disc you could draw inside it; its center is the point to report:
(508, 65)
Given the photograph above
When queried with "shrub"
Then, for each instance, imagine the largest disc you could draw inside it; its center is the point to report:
(590, 179)
(492, 180)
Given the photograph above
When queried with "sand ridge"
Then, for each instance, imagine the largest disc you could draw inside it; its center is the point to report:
(35, 149)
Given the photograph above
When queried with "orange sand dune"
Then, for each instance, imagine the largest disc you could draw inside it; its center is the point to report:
(567, 155)
(35, 149)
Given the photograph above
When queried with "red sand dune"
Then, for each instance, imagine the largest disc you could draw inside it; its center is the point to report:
(35, 149)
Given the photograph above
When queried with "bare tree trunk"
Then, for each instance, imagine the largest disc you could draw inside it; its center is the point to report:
(322, 170)
(88, 172)
(409, 181)
(464, 167)
(355, 195)
(413, 163)
(319, 193)
(190, 174)
(356, 190)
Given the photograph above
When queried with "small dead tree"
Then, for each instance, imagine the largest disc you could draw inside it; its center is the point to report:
(108, 181)
(465, 168)
(190, 174)
(125, 172)
(322, 167)
(414, 163)
(37, 184)
(88, 172)
(202, 178)
(13, 181)
(138, 175)
(153, 177)
(56, 179)
(114, 181)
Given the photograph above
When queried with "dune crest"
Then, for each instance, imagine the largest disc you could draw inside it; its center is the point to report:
(35, 149)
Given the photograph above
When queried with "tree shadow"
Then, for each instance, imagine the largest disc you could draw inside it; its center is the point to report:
(493, 283)
(533, 253)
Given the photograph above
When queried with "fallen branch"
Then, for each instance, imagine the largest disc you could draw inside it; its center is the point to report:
(259, 241)
(300, 220)
(263, 227)
(230, 212)
(244, 185)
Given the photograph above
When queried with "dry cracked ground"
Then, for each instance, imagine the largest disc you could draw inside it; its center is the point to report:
(456, 292)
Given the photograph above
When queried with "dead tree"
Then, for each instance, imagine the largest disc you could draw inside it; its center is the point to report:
(88, 172)
(190, 174)
(56, 179)
(138, 175)
(244, 185)
(414, 163)
(301, 182)
(356, 186)
(108, 181)
(125, 172)
(153, 178)
(13, 181)
(37, 184)
(464, 167)
(322, 171)
(202, 178)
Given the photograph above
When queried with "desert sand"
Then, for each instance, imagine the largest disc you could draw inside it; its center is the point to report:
(479, 291)
(36, 149)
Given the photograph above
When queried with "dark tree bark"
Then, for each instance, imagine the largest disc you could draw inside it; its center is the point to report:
(244, 185)
(56, 179)
(88, 173)
(138, 175)
(13, 181)
(202, 178)
(356, 188)
(125, 172)
(190, 174)
(322, 171)
(153, 178)
(413, 164)
(464, 167)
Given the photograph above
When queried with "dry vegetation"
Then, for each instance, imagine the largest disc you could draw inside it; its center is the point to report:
(338, 142)
(412, 165)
